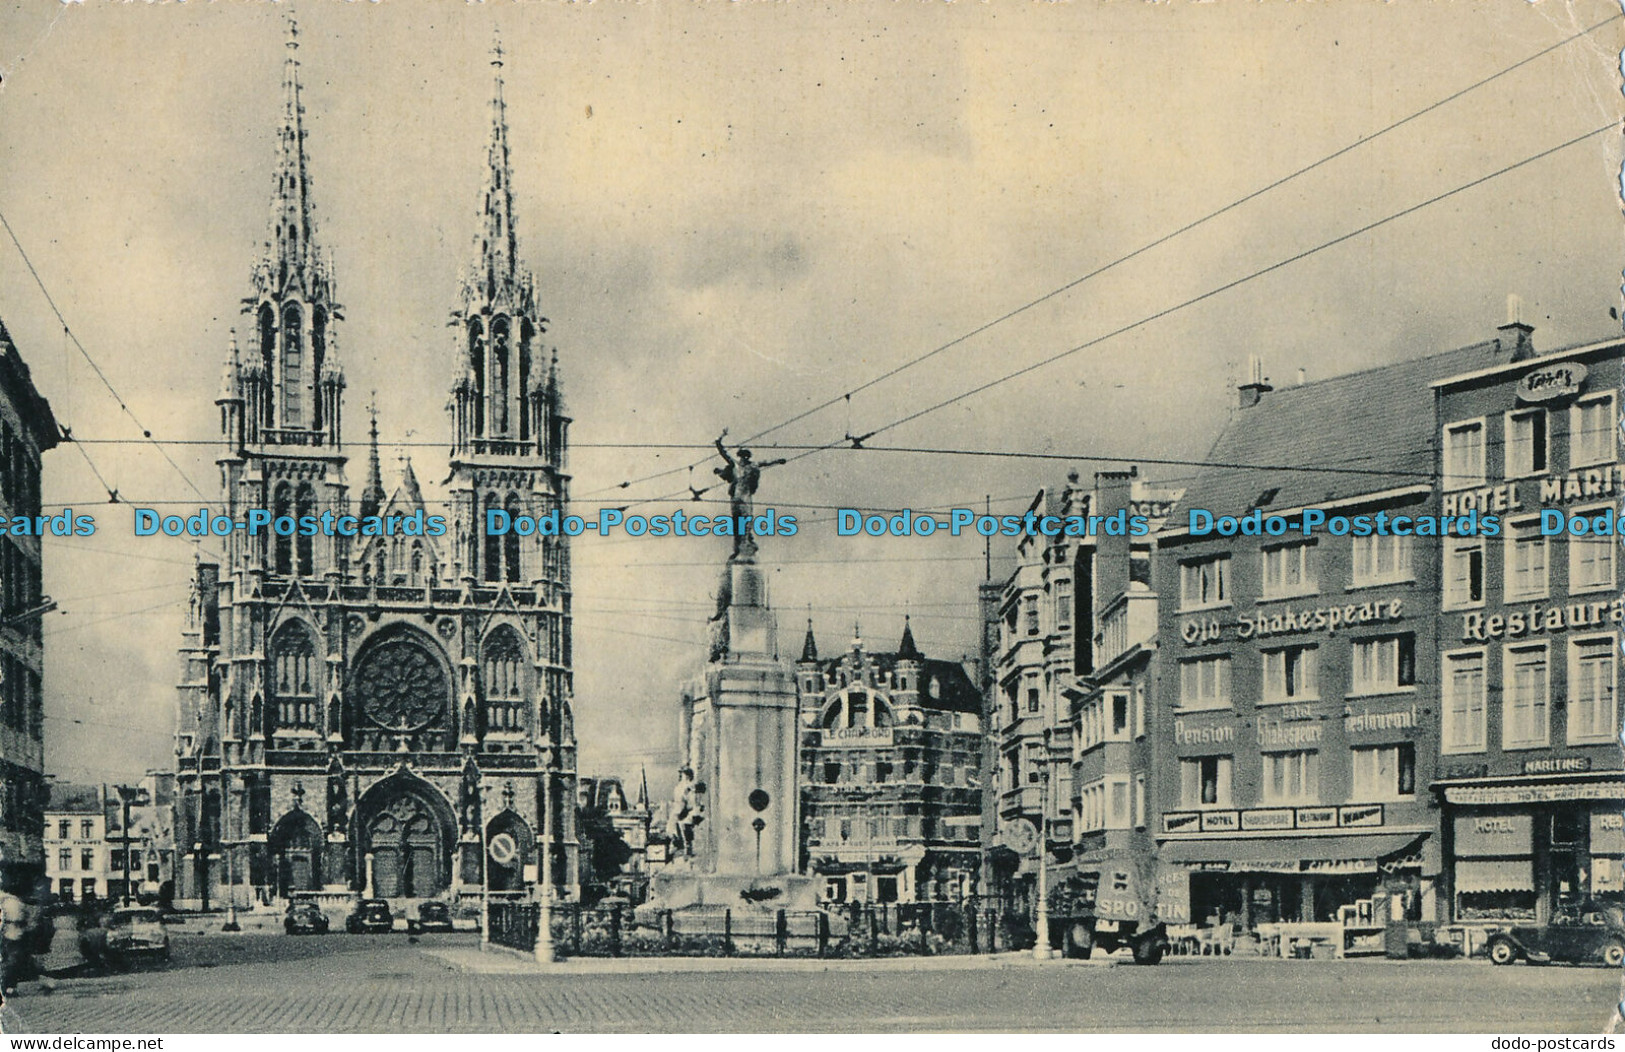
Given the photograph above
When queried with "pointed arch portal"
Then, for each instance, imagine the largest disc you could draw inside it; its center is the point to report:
(409, 830)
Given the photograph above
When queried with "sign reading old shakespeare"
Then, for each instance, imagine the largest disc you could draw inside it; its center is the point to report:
(1288, 621)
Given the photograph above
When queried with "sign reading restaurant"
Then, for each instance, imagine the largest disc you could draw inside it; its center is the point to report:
(1478, 627)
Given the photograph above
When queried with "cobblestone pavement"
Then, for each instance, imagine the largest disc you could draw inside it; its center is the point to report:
(383, 984)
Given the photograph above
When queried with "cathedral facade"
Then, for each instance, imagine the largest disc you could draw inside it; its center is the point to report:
(380, 716)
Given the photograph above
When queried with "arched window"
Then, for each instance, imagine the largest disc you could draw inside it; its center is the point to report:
(476, 358)
(294, 678)
(493, 543)
(293, 366)
(417, 562)
(268, 358)
(499, 377)
(504, 671)
(527, 333)
(305, 506)
(510, 540)
(318, 355)
(283, 546)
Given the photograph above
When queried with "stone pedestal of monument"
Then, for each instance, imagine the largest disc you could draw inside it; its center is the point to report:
(739, 735)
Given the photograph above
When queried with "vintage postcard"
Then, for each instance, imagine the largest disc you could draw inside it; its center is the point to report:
(512, 514)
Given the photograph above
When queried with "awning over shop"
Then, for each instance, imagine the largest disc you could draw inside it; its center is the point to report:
(1307, 855)
(1507, 874)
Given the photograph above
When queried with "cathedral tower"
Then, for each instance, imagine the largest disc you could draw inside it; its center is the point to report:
(367, 715)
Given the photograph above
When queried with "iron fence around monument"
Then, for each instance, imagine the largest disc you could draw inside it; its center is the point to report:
(843, 930)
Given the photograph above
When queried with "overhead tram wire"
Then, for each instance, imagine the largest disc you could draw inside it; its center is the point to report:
(1227, 286)
(1164, 239)
(112, 494)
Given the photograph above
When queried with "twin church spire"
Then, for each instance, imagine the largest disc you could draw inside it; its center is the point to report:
(287, 388)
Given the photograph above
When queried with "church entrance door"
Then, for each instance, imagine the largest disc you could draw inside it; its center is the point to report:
(408, 859)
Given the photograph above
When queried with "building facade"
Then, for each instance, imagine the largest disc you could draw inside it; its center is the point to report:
(27, 430)
(366, 715)
(1296, 727)
(1529, 776)
(1115, 653)
(77, 855)
(891, 774)
(1030, 631)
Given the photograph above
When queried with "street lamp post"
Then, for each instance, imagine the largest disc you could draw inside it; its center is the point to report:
(1041, 947)
(544, 920)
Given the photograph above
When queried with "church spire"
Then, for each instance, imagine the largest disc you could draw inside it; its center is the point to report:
(497, 268)
(291, 256)
(373, 497)
(809, 646)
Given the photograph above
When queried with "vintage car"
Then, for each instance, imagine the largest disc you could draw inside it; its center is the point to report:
(1592, 934)
(370, 916)
(127, 936)
(432, 916)
(304, 918)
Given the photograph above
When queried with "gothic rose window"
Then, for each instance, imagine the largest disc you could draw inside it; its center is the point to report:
(400, 685)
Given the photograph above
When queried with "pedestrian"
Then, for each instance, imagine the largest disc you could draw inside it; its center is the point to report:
(13, 940)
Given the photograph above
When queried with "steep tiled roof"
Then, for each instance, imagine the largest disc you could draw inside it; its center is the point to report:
(1378, 422)
(70, 798)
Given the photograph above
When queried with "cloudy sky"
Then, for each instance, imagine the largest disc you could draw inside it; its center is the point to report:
(736, 212)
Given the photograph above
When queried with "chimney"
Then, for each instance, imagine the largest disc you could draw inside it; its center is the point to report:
(1256, 384)
(1515, 336)
(1303, 377)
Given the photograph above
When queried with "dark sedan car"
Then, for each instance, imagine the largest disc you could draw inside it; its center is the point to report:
(370, 916)
(305, 918)
(1592, 935)
(432, 916)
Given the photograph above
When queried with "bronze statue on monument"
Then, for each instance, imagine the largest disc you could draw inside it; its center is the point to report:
(743, 475)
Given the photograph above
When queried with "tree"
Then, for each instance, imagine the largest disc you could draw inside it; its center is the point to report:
(604, 852)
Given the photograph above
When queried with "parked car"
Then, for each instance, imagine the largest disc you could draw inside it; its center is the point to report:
(304, 918)
(1592, 934)
(432, 916)
(125, 937)
(370, 916)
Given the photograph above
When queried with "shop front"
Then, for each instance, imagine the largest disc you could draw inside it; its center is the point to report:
(1242, 884)
(1517, 851)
